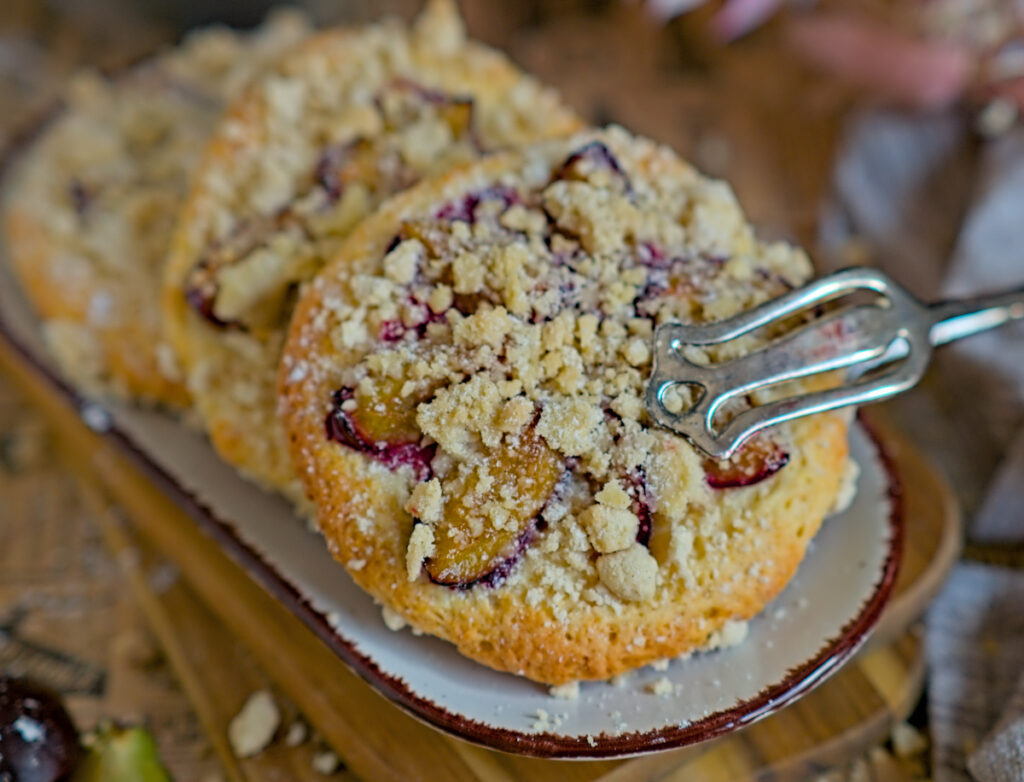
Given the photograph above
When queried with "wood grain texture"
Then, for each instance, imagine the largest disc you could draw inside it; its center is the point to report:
(209, 663)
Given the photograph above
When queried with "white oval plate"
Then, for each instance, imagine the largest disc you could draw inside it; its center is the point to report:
(802, 637)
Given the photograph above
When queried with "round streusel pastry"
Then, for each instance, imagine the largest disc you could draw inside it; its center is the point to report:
(92, 207)
(346, 121)
(462, 389)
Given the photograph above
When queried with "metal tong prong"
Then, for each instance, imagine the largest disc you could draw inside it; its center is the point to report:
(885, 345)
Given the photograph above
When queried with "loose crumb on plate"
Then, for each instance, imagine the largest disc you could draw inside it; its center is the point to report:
(661, 687)
(569, 691)
(254, 726)
(326, 762)
(297, 733)
(732, 633)
(392, 619)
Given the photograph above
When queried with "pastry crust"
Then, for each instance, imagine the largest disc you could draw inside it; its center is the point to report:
(581, 597)
(92, 208)
(352, 117)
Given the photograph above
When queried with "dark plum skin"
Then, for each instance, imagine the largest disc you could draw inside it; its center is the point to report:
(395, 330)
(496, 575)
(38, 740)
(500, 572)
(326, 173)
(429, 94)
(595, 152)
(201, 299)
(80, 197)
(757, 460)
(641, 505)
(391, 331)
(464, 209)
(201, 285)
(342, 428)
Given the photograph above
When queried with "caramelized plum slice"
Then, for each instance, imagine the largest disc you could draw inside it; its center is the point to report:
(384, 427)
(342, 163)
(455, 110)
(468, 548)
(592, 156)
(677, 278)
(758, 458)
(202, 285)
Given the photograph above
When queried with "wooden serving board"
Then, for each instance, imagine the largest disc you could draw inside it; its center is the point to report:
(842, 718)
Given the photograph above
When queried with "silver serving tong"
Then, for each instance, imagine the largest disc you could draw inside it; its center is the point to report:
(884, 344)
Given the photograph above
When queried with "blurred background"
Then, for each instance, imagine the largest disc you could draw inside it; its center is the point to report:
(615, 62)
(877, 132)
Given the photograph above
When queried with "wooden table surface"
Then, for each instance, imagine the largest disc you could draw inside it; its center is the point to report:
(751, 114)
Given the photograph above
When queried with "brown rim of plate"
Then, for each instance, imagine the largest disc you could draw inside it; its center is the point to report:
(799, 680)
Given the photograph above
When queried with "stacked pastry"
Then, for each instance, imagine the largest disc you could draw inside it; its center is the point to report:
(404, 285)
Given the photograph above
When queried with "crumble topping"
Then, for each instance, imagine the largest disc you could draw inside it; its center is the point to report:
(610, 529)
(425, 501)
(254, 726)
(570, 425)
(847, 487)
(373, 132)
(345, 122)
(631, 574)
(507, 333)
(105, 182)
(393, 620)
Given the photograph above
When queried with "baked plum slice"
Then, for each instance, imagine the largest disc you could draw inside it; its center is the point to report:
(455, 110)
(382, 426)
(469, 548)
(589, 157)
(758, 459)
(202, 288)
(339, 164)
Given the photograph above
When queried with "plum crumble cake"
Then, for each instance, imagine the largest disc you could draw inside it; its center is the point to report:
(350, 118)
(91, 210)
(462, 392)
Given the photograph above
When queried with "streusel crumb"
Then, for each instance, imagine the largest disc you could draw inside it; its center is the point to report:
(632, 573)
(421, 546)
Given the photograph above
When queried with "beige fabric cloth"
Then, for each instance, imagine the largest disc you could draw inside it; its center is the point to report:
(944, 214)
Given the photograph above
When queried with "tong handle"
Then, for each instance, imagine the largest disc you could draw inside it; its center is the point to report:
(891, 341)
(953, 320)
